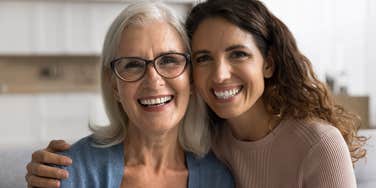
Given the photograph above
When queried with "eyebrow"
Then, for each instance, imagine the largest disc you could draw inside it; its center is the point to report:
(200, 52)
(159, 54)
(169, 51)
(232, 47)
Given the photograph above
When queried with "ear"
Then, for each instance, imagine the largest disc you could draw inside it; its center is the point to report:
(268, 67)
(115, 89)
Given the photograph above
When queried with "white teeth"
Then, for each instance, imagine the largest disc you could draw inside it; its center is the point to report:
(155, 101)
(226, 94)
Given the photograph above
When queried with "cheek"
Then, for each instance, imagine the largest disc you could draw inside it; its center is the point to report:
(201, 74)
(126, 94)
(251, 71)
(200, 87)
(255, 79)
(183, 90)
(123, 91)
(182, 84)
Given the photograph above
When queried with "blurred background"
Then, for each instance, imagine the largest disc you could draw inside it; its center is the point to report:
(49, 58)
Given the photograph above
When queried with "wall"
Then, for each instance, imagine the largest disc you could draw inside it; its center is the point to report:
(371, 56)
(337, 35)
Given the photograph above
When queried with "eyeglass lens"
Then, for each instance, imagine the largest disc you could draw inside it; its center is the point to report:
(168, 65)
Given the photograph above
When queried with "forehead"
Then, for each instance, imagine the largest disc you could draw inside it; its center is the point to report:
(218, 32)
(150, 36)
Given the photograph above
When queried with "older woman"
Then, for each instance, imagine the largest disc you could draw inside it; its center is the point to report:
(145, 79)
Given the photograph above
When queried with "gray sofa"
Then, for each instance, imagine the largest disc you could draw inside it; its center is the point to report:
(14, 159)
(365, 169)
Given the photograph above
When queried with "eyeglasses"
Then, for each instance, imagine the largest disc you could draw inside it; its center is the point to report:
(168, 65)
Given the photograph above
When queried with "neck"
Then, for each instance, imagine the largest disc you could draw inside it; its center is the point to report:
(254, 124)
(158, 151)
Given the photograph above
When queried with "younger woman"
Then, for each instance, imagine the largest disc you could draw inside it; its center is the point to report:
(276, 123)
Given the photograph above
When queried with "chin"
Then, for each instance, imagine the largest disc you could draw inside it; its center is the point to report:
(226, 114)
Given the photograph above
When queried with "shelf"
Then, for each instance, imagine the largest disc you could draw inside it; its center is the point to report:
(49, 74)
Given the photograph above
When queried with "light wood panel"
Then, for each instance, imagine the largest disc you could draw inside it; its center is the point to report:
(358, 105)
(35, 74)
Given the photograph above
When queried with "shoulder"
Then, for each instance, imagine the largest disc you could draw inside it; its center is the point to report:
(81, 146)
(93, 166)
(314, 133)
(86, 148)
(209, 161)
(328, 156)
(208, 171)
(81, 149)
(324, 139)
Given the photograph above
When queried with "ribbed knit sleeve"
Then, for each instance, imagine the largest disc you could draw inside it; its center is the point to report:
(328, 164)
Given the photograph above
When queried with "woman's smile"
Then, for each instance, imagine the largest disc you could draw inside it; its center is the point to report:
(226, 94)
(156, 103)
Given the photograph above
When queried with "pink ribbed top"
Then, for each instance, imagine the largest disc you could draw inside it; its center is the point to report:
(294, 154)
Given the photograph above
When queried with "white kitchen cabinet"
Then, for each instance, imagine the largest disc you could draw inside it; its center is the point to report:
(16, 27)
(18, 117)
(60, 27)
(42, 117)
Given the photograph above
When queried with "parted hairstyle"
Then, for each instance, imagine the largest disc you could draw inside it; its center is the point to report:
(194, 133)
(294, 90)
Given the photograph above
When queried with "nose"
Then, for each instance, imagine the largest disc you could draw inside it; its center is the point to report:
(222, 71)
(152, 77)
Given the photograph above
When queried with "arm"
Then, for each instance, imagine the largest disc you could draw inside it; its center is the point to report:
(39, 174)
(329, 164)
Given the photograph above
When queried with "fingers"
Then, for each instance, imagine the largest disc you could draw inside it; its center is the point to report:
(43, 156)
(57, 145)
(34, 181)
(46, 171)
(41, 175)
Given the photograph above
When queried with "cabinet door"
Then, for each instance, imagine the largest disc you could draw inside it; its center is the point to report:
(16, 23)
(42, 117)
(67, 116)
(60, 27)
(18, 117)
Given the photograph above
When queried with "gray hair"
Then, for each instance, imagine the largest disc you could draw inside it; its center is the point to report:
(194, 132)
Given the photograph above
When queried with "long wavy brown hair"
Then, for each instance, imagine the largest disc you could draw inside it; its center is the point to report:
(294, 90)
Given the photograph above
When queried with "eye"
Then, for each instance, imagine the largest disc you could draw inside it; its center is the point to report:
(130, 65)
(171, 62)
(166, 60)
(133, 65)
(202, 58)
(239, 55)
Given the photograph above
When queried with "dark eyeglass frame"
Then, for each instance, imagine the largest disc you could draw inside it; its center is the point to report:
(147, 62)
